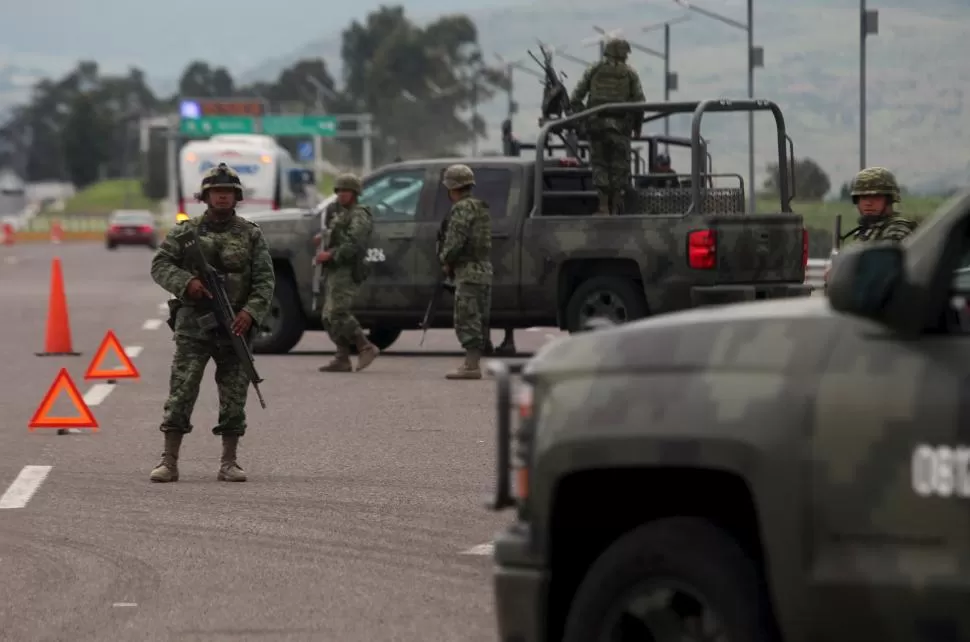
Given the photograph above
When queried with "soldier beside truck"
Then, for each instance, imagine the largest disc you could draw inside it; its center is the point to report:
(555, 263)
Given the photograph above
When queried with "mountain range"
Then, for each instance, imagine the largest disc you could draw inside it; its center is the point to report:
(918, 80)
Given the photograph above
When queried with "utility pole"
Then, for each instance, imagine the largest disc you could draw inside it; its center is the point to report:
(756, 58)
(868, 26)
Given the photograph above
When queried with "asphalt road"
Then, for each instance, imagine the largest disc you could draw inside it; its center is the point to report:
(362, 519)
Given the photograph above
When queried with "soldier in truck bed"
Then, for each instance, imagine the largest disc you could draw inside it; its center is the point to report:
(661, 166)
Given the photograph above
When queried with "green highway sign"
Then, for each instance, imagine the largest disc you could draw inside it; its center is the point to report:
(299, 125)
(209, 125)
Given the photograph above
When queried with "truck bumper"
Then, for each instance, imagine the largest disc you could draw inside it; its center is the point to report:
(719, 294)
(520, 589)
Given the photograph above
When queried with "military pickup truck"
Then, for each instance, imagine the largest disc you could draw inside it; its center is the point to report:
(555, 264)
(784, 471)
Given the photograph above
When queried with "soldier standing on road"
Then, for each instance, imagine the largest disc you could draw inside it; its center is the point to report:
(348, 233)
(611, 80)
(874, 191)
(236, 248)
(465, 256)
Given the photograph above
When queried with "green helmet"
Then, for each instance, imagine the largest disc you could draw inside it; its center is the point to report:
(875, 181)
(221, 176)
(617, 48)
(458, 176)
(348, 182)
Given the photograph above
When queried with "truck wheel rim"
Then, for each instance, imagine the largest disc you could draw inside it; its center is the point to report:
(662, 611)
(603, 305)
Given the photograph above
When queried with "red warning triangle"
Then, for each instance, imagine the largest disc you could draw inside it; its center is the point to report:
(96, 368)
(63, 383)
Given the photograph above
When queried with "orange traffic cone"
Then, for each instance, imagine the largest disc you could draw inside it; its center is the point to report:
(57, 232)
(9, 236)
(58, 342)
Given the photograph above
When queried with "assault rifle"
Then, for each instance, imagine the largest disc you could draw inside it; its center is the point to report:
(555, 99)
(319, 276)
(439, 288)
(221, 315)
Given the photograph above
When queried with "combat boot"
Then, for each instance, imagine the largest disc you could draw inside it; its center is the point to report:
(340, 361)
(470, 369)
(229, 470)
(604, 205)
(167, 470)
(366, 351)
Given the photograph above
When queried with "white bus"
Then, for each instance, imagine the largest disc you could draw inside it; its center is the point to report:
(262, 164)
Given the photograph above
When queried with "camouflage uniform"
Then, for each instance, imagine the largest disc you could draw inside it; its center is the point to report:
(466, 252)
(611, 80)
(348, 233)
(237, 249)
(887, 226)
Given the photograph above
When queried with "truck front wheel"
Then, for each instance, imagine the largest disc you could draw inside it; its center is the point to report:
(284, 324)
(672, 579)
(614, 298)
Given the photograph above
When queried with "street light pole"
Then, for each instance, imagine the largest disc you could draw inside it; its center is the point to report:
(868, 26)
(321, 89)
(755, 60)
(752, 195)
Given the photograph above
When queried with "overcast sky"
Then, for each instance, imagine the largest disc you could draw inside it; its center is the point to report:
(161, 36)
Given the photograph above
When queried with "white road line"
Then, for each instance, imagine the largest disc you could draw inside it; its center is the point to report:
(98, 393)
(152, 324)
(24, 487)
(133, 351)
(481, 549)
(532, 329)
(124, 604)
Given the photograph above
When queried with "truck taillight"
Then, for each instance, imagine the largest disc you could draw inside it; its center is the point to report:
(804, 247)
(145, 229)
(702, 249)
(115, 229)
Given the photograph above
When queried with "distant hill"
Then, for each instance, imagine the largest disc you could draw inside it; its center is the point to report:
(918, 84)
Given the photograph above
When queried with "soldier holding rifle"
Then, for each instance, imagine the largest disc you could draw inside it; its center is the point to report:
(236, 251)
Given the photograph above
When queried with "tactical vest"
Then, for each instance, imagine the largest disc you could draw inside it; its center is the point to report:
(610, 83)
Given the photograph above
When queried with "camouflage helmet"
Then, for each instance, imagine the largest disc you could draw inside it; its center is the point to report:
(348, 182)
(458, 176)
(875, 181)
(616, 48)
(221, 176)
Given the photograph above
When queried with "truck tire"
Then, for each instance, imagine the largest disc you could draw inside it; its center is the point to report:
(284, 326)
(616, 296)
(687, 555)
(380, 336)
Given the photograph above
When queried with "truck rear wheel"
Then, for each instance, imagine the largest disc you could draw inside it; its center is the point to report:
(284, 324)
(673, 579)
(615, 298)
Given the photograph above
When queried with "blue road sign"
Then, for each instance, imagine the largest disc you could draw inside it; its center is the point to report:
(305, 150)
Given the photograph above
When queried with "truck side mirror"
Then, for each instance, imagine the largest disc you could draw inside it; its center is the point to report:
(864, 279)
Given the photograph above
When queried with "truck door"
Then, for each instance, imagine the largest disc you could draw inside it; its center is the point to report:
(891, 484)
(394, 198)
(499, 187)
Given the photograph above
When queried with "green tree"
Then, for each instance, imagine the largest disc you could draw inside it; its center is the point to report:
(811, 181)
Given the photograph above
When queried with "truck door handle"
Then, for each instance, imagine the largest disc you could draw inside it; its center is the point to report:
(500, 235)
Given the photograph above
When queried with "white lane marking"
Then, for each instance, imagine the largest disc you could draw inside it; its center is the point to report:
(532, 329)
(481, 549)
(163, 307)
(123, 604)
(133, 351)
(152, 324)
(24, 487)
(10, 260)
(98, 393)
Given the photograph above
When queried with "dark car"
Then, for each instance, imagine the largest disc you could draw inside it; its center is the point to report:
(131, 227)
